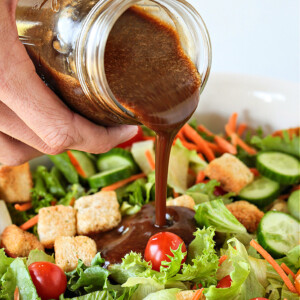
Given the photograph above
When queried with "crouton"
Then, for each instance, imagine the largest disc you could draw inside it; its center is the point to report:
(187, 295)
(69, 249)
(185, 201)
(56, 221)
(233, 174)
(15, 183)
(97, 213)
(18, 243)
(247, 214)
(279, 205)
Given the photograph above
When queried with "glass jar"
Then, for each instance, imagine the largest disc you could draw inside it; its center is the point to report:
(66, 40)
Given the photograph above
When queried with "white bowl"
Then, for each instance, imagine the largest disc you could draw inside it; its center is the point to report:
(265, 102)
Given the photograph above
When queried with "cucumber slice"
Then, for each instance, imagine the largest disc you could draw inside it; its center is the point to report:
(85, 163)
(278, 233)
(138, 151)
(116, 158)
(294, 204)
(279, 167)
(109, 177)
(261, 192)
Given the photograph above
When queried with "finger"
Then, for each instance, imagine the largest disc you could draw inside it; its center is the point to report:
(13, 126)
(14, 153)
(41, 110)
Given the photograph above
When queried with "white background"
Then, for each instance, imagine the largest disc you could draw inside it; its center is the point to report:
(255, 37)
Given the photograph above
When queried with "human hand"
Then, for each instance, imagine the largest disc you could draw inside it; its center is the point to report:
(33, 120)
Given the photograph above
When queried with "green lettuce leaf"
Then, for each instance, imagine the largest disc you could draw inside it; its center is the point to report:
(4, 262)
(17, 275)
(215, 214)
(75, 191)
(103, 295)
(276, 143)
(132, 266)
(85, 279)
(145, 286)
(204, 192)
(292, 259)
(239, 270)
(202, 261)
(255, 283)
(38, 255)
(169, 294)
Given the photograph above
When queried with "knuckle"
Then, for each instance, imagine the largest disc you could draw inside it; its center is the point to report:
(57, 141)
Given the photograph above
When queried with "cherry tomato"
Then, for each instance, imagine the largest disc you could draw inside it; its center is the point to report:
(138, 137)
(224, 282)
(49, 279)
(259, 298)
(158, 247)
(219, 191)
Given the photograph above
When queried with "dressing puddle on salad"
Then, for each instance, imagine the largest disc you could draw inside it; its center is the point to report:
(163, 98)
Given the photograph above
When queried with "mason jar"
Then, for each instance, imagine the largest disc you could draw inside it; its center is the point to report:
(66, 40)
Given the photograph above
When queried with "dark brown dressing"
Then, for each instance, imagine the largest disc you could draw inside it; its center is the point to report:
(151, 76)
(134, 232)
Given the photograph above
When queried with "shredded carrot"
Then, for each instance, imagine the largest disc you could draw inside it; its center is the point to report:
(241, 129)
(23, 207)
(175, 194)
(198, 294)
(274, 264)
(193, 135)
(188, 145)
(213, 147)
(16, 294)
(76, 164)
(200, 177)
(243, 145)
(254, 171)
(287, 270)
(201, 156)
(180, 134)
(234, 140)
(225, 146)
(30, 223)
(123, 182)
(192, 172)
(53, 203)
(222, 259)
(150, 159)
(205, 130)
(232, 122)
(239, 141)
(149, 138)
(72, 202)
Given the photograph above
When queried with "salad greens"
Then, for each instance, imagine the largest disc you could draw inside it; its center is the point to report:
(284, 144)
(219, 233)
(215, 213)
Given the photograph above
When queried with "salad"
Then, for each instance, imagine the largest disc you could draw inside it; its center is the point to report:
(244, 191)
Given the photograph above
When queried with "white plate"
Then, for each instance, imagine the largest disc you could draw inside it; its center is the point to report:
(264, 102)
(269, 103)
